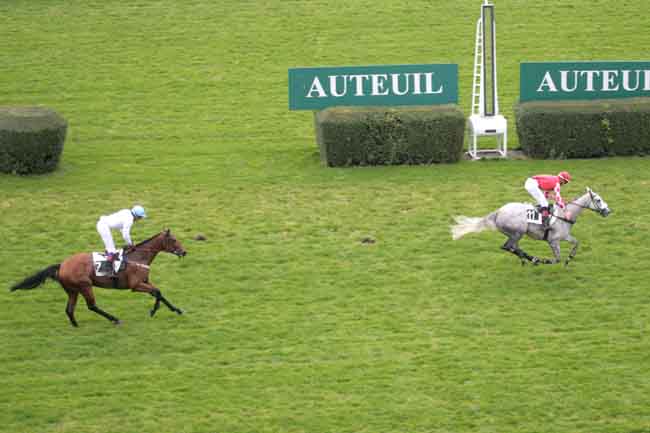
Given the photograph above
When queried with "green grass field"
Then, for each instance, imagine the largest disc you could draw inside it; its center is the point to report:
(292, 323)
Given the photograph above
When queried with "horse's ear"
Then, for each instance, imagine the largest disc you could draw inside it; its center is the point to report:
(166, 232)
(588, 189)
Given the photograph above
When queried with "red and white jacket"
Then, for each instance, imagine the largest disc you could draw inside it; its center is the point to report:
(548, 184)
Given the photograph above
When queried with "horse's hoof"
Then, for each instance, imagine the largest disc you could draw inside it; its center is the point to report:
(151, 313)
(535, 261)
(179, 311)
(117, 323)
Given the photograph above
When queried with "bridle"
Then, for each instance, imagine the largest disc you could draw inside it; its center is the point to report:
(597, 207)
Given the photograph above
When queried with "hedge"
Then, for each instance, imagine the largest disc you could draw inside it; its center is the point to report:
(350, 136)
(31, 139)
(584, 129)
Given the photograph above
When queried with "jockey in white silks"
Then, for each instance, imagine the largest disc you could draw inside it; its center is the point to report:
(122, 220)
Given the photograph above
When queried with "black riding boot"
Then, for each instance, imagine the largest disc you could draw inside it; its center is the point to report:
(546, 216)
(110, 260)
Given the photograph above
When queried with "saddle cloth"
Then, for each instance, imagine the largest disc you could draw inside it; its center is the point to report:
(534, 216)
(104, 268)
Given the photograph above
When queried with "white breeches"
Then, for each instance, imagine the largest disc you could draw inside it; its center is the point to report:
(105, 232)
(532, 187)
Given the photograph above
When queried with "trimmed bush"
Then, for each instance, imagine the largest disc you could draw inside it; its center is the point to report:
(31, 139)
(584, 129)
(390, 135)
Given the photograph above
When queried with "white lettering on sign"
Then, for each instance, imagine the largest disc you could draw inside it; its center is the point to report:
(316, 86)
(333, 90)
(564, 81)
(606, 80)
(359, 83)
(547, 81)
(415, 83)
(377, 84)
(609, 84)
(590, 79)
(626, 81)
(395, 84)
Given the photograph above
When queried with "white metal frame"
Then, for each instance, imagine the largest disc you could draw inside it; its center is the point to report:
(479, 124)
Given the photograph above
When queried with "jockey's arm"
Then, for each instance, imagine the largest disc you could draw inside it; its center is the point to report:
(126, 234)
(558, 197)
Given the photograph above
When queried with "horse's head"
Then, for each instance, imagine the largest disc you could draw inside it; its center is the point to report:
(172, 245)
(597, 204)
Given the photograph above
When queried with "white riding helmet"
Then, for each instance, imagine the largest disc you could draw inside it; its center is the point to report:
(138, 211)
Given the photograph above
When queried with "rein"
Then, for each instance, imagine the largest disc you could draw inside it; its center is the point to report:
(575, 203)
(145, 250)
(137, 249)
(591, 199)
(564, 219)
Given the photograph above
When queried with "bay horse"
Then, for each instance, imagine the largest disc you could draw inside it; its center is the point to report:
(76, 274)
(511, 220)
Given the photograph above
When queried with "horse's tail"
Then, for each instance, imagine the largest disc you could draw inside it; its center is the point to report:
(466, 225)
(38, 278)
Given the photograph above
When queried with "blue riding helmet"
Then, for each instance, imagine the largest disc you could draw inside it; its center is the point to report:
(138, 211)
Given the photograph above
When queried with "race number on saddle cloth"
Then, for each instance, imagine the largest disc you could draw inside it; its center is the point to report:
(121, 220)
(105, 268)
(540, 188)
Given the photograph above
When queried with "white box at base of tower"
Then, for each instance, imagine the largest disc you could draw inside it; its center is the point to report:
(485, 119)
(481, 126)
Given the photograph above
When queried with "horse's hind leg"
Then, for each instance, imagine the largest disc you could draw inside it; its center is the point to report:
(512, 246)
(69, 308)
(92, 306)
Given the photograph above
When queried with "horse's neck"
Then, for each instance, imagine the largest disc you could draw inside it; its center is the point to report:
(577, 206)
(144, 257)
(146, 253)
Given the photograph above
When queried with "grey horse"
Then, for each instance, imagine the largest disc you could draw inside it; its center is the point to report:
(512, 221)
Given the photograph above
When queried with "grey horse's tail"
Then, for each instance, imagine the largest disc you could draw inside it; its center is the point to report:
(466, 225)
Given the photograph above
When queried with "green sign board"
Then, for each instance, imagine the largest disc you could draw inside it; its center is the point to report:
(318, 88)
(560, 81)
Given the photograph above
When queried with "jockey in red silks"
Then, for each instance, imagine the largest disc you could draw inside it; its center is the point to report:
(541, 186)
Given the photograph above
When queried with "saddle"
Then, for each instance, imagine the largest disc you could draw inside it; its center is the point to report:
(534, 215)
(104, 268)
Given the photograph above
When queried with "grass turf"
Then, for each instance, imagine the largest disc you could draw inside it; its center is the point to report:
(293, 323)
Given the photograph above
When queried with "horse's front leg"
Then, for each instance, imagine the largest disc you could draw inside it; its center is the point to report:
(555, 247)
(155, 292)
(575, 244)
(159, 297)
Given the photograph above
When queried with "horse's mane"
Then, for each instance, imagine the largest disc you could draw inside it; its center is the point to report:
(146, 240)
(579, 197)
